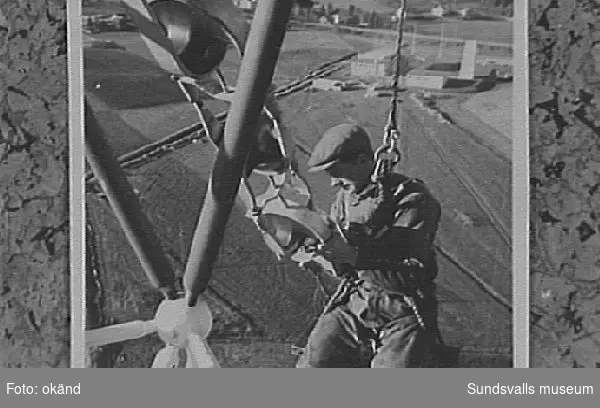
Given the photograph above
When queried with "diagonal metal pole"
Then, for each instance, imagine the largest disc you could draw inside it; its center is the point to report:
(127, 208)
(256, 73)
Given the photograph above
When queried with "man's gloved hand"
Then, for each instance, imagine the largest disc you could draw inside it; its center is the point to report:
(318, 264)
(336, 257)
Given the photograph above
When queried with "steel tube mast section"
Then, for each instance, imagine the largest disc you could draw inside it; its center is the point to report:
(258, 65)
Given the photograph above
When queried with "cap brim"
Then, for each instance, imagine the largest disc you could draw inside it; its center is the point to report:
(322, 167)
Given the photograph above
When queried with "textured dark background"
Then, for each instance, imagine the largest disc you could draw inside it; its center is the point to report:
(34, 299)
(565, 181)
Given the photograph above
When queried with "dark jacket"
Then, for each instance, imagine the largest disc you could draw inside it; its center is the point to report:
(392, 225)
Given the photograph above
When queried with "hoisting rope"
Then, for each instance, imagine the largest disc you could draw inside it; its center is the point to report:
(388, 154)
(386, 158)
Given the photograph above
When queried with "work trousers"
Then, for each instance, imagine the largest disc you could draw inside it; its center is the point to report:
(374, 327)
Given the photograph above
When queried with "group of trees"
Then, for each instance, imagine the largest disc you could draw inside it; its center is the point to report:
(505, 7)
(496, 6)
(349, 16)
(306, 4)
(353, 15)
(499, 3)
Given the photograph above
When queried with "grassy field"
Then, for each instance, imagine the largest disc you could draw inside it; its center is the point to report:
(491, 31)
(108, 72)
(251, 294)
(487, 105)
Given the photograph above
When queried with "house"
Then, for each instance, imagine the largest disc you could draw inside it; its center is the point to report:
(466, 12)
(375, 63)
(245, 4)
(437, 10)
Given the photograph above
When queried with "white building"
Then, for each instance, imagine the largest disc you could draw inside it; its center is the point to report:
(244, 4)
(466, 12)
(375, 63)
(438, 10)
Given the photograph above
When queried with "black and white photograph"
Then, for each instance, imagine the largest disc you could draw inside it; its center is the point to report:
(298, 183)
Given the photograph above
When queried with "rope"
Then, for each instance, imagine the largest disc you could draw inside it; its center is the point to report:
(388, 154)
(400, 36)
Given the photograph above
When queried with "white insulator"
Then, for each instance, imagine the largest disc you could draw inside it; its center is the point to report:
(119, 332)
(200, 319)
(199, 354)
(167, 357)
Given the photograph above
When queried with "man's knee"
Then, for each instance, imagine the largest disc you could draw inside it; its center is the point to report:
(402, 344)
(332, 343)
(304, 362)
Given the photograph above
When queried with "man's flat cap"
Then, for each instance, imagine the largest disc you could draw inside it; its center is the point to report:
(340, 143)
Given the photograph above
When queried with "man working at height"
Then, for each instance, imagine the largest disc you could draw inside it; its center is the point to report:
(391, 225)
